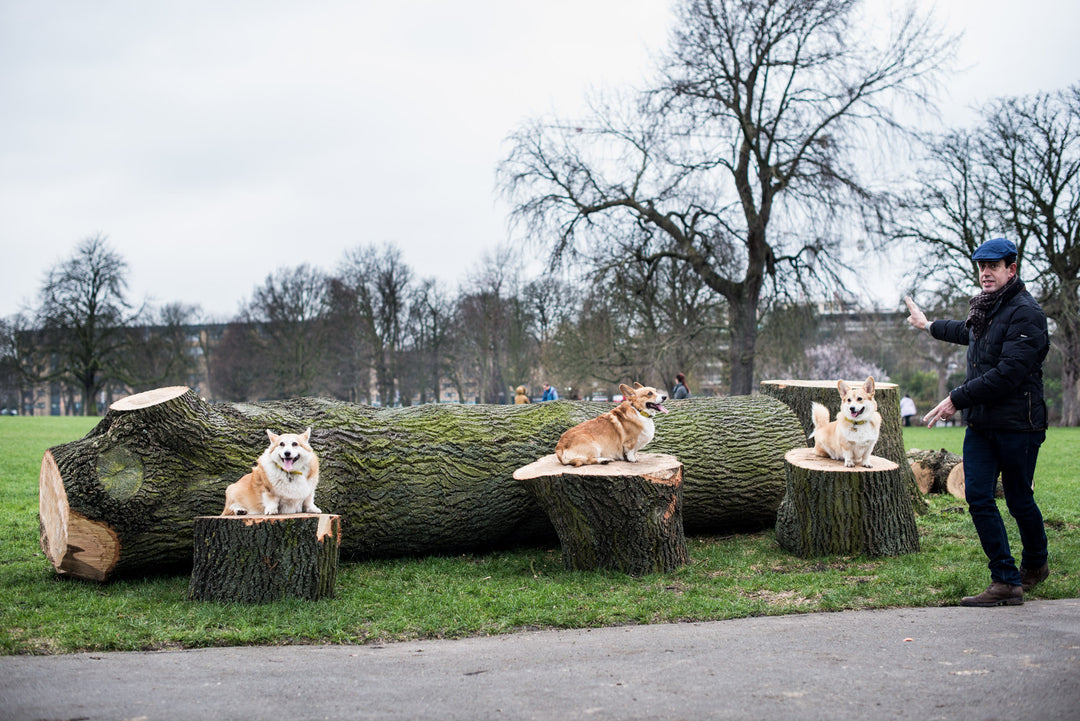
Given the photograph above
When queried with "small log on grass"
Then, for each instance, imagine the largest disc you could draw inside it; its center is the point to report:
(932, 468)
(830, 509)
(258, 559)
(617, 516)
(800, 394)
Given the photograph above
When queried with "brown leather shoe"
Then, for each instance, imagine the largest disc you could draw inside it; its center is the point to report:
(1032, 577)
(996, 594)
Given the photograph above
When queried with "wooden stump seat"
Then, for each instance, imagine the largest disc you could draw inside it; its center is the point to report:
(618, 516)
(258, 559)
(830, 509)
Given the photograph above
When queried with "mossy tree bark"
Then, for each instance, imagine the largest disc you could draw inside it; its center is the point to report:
(799, 395)
(830, 510)
(617, 516)
(405, 481)
(259, 559)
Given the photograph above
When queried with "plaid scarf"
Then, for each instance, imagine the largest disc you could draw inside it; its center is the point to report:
(983, 303)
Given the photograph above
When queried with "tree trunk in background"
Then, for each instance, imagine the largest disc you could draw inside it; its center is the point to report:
(831, 510)
(799, 395)
(259, 559)
(616, 516)
(405, 481)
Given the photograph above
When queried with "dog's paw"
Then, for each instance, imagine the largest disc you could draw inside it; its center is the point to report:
(312, 509)
(866, 464)
(848, 463)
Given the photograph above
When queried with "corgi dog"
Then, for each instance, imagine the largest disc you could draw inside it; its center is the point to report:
(615, 435)
(852, 436)
(282, 481)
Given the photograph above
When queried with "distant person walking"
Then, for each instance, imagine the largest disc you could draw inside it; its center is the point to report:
(520, 396)
(907, 409)
(550, 394)
(680, 390)
(1002, 400)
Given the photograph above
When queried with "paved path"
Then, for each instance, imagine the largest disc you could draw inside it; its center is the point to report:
(926, 663)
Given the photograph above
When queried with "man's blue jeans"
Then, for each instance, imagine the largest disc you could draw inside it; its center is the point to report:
(986, 452)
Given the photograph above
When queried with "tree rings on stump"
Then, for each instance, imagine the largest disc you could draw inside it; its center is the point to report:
(258, 559)
(830, 509)
(617, 516)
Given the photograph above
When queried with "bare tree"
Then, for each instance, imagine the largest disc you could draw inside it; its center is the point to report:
(289, 311)
(83, 317)
(381, 285)
(760, 115)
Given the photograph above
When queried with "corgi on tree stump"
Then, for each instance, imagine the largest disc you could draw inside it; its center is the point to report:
(830, 509)
(428, 479)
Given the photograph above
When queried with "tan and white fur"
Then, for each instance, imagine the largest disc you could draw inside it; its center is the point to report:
(616, 435)
(283, 480)
(853, 435)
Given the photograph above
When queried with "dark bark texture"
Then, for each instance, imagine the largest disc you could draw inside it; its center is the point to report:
(405, 481)
(259, 559)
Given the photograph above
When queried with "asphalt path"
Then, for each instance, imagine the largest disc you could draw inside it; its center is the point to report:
(954, 663)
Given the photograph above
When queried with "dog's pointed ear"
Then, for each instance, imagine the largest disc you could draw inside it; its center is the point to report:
(306, 435)
(868, 386)
(842, 387)
(272, 436)
(637, 385)
(626, 390)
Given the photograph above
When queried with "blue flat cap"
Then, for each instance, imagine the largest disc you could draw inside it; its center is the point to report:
(995, 249)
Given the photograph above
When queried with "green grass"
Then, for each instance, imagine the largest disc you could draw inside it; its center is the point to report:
(447, 597)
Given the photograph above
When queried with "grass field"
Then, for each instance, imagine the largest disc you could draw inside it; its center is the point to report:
(441, 597)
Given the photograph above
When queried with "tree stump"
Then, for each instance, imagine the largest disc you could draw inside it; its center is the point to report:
(436, 478)
(800, 394)
(618, 516)
(833, 510)
(258, 559)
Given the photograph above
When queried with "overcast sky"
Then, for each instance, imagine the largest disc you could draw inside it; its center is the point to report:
(216, 142)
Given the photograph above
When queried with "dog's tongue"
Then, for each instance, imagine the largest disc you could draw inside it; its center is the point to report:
(660, 407)
(286, 463)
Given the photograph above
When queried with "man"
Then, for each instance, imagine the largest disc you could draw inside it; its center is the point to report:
(550, 394)
(680, 390)
(1002, 402)
(907, 409)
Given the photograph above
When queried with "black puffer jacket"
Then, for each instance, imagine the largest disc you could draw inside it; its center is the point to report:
(1004, 388)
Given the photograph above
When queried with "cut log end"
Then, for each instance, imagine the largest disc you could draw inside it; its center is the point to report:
(74, 544)
(807, 458)
(658, 467)
(149, 398)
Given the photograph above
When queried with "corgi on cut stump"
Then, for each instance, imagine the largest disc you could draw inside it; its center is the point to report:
(616, 435)
(852, 436)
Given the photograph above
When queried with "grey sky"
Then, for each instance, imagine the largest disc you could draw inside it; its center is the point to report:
(214, 143)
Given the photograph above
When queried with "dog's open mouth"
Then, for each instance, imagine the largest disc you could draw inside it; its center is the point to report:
(857, 413)
(286, 463)
(656, 407)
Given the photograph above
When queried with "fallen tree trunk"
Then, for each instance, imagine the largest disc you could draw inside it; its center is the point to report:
(405, 481)
(799, 395)
(616, 516)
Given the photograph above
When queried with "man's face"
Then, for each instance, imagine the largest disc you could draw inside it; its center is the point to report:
(994, 274)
